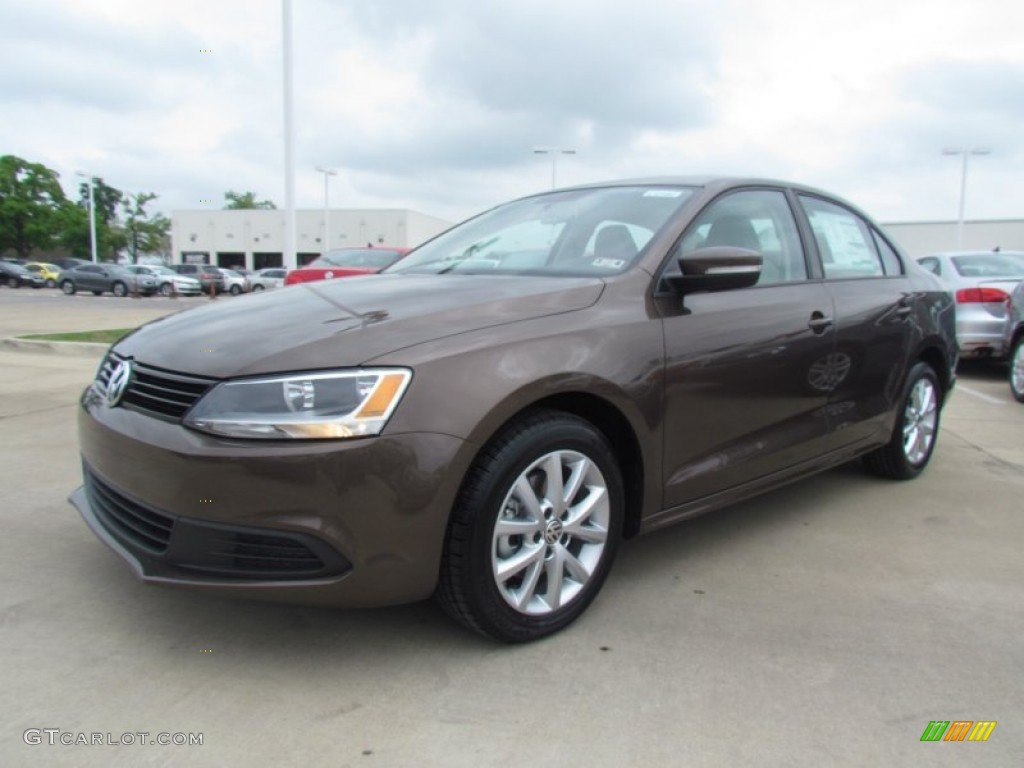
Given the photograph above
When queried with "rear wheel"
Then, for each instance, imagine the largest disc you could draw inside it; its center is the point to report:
(235, 290)
(68, 287)
(913, 438)
(257, 287)
(12, 282)
(51, 283)
(1017, 370)
(534, 530)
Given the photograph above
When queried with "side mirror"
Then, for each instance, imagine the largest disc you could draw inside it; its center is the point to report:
(716, 268)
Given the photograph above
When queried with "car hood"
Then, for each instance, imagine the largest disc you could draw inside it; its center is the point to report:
(346, 322)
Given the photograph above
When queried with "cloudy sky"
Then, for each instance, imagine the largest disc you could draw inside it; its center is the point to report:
(436, 105)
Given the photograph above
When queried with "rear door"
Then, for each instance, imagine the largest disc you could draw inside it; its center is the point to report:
(875, 322)
(738, 402)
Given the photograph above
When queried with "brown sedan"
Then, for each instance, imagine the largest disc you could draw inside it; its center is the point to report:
(486, 420)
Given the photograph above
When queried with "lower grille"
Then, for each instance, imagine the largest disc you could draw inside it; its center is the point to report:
(128, 521)
(173, 544)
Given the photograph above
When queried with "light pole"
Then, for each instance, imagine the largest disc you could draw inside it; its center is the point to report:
(327, 172)
(92, 214)
(554, 152)
(964, 152)
(290, 257)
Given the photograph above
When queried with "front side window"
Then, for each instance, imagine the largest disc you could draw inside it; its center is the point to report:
(844, 240)
(759, 220)
(932, 264)
(989, 265)
(596, 231)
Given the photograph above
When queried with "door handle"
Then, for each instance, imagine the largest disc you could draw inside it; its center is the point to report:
(904, 308)
(818, 322)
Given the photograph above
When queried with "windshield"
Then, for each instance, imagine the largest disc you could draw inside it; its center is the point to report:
(599, 231)
(990, 265)
(370, 258)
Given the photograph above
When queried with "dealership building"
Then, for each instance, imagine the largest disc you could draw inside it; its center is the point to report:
(255, 239)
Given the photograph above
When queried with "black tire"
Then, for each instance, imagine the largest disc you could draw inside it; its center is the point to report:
(919, 410)
(12, 282)
(119, 289)
(257, 288)
(166, 289)
(51, 283)
(68, 288)
(235, 290)
(1017, 370)
(97, 293)
(468, 589)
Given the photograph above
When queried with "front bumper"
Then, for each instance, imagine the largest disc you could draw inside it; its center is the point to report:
(347, 523)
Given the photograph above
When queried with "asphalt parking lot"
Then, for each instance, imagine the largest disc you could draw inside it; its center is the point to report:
(824, 624)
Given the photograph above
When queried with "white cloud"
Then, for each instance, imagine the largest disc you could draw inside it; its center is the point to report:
(436, 105)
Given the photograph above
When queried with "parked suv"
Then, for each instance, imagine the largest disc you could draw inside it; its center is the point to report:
(206, 274)
(100, 278)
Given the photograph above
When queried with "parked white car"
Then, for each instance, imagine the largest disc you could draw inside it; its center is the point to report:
(234, 282)
(271, 277)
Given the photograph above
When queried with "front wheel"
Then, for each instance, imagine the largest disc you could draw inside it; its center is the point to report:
(166, 289)
(235, 290)
(51, 283)
(68, 288)
(1017, 370)
(12, 282)
(534, 530)
(119, 289)
(257, 287)
(913, 438)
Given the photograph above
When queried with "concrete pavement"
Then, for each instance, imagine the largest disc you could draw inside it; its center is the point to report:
(822, 625)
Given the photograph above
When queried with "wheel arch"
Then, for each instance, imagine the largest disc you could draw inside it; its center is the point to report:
(617, 428)
(940, 363)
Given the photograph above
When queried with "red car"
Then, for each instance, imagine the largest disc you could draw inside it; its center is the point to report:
(346, 262)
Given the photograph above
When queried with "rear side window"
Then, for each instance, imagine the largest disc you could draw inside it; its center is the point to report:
(932, 264)
(844, 240)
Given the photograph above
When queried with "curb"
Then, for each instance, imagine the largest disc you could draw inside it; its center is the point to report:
(79, 348)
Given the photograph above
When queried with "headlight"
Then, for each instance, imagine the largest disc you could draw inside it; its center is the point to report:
(304, 405)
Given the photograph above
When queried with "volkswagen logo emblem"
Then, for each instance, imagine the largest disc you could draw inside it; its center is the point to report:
(118, 383)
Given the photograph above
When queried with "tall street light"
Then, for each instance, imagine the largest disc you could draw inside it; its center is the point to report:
(554, 152)
(965, 152)
(92, 213)
(327, 172)
(290, 257)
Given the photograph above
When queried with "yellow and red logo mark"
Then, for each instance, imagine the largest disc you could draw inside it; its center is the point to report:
(958, 730)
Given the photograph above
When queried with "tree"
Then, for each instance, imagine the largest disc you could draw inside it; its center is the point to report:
(245, 200)
(31, 205)
(143, 232)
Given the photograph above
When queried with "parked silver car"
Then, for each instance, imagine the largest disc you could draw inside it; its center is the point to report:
(100, 278)
(169, 282)
(982, 282)
(235, 282)
(1014, 342)
(271, 277)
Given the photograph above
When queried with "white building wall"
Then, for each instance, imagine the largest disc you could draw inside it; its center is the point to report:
(920, 238)
(258, 235)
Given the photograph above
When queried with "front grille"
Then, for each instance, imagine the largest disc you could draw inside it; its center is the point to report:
(155, 391)
(126, 520)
